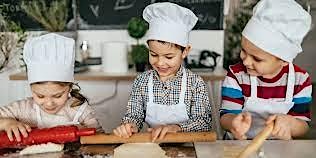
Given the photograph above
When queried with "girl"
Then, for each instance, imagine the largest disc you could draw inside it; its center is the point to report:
(55, 99)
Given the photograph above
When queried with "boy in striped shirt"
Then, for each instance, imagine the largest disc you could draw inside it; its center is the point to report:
(266, 87)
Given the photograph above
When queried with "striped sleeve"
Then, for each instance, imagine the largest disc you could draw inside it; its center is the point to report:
(302, 97)
(232, 97)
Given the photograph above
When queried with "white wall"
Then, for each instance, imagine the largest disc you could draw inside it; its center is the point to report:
(306, 59)
(199, 39)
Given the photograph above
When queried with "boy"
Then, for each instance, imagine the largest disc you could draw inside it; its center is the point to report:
(170, 98)
(266, 87)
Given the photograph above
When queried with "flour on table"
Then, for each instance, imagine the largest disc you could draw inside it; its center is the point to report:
(42, 148)
(137, 150)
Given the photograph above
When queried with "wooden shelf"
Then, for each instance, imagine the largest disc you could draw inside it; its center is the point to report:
(93, 75)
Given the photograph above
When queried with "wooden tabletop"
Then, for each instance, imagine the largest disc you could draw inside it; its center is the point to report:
(270, 148)
(93, 75)
(172, 151)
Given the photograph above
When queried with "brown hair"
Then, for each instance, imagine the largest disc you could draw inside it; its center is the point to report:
(170, 44)
(75, 92)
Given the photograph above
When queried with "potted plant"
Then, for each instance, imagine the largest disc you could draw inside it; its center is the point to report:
(12, 38)
(235, 25)
(137, 28)
(53, 17)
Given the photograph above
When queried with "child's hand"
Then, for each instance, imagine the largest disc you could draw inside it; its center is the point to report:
(125, 130)
(161, 131)
(13, 127)
(241, 124)
(282, 126)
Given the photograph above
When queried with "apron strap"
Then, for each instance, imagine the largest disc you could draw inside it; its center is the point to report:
(253, 86)
(182, 92)
(290, 83)
(79, 113)
(150, 88)
(183, 86)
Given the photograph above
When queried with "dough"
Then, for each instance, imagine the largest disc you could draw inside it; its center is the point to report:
(137, 150)
(42, 148)
(231, 151)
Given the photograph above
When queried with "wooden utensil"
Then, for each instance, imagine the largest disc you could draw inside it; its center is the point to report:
(257, 141)
(180, 137)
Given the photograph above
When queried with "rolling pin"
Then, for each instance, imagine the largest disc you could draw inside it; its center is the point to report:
(257, 141)
(59, 135)
(180, 137)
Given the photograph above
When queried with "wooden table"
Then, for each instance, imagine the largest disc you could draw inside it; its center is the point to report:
(271, 148)
(103, 151)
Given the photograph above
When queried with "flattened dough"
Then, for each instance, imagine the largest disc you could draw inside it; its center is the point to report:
(137, 150)
(42, 148)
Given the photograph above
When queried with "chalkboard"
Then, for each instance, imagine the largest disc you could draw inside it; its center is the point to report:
(12, 10)
(114, 14)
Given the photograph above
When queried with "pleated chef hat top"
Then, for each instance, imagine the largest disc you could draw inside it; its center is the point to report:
(278, 27)
(169, 22)
(50, 58)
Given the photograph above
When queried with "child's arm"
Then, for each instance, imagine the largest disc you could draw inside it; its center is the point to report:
(286, 126)
(232, 103)
(10, 114)
(161, 131)
(134, 117)
(14, 127)
(125, 130)
(295, 123)
(238, 124)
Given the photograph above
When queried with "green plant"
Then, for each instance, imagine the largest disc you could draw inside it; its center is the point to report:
(140, 54)
(12, 39)
(53, 17)
(137, 28)
(233, 31)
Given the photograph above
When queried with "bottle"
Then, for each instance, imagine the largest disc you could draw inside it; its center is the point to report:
(84, 50)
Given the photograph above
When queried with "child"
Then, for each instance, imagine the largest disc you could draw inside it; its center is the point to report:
(170, 98)
(55, 101)
(266, 87)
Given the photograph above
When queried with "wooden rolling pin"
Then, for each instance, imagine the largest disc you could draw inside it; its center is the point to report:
(257, 141)
(180, 137)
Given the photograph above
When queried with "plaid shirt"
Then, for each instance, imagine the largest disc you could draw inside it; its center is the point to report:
(168, 93)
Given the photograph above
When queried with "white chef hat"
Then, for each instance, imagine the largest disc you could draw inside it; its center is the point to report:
(278, 27)
(169, 22)
(50, 58)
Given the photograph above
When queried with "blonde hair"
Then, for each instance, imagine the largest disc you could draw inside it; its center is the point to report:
(75, 92)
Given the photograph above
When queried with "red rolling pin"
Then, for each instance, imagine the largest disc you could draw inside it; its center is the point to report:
(59, 135)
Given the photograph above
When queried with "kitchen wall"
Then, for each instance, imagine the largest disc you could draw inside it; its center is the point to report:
(307, 58)
(199, 39)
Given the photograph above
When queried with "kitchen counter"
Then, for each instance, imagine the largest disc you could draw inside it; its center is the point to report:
(270, 148)
(102, 151)
(218, 74)
(218, 149)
